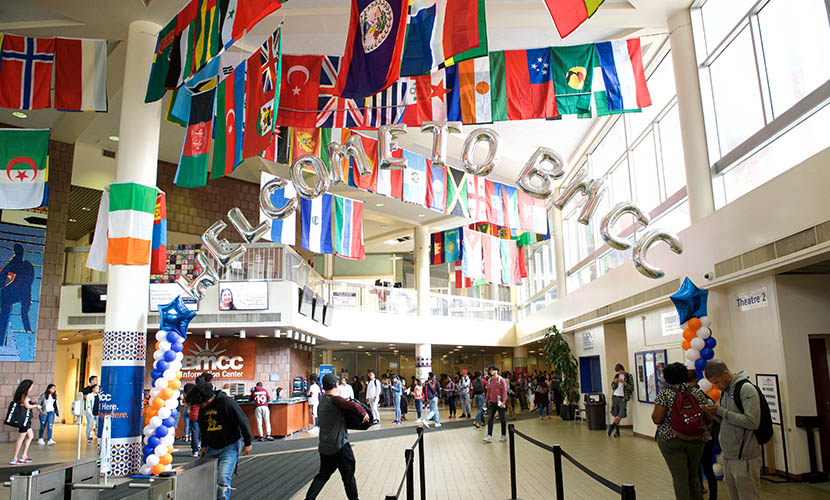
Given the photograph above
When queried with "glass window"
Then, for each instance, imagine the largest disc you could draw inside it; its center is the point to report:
(738, 107)
(388, 362)
(795, 42)
(675, 220)
(720, 16)
(609, 149)
(365, 362)
(612, 259)
(646, 182)
(662, 89)
(343, 362)
(671, 148)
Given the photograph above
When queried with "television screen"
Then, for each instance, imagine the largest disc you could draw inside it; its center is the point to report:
(317, 315)
(164, 293)
(328, 312)
(93, 298)
(243, 295)
(307, 302)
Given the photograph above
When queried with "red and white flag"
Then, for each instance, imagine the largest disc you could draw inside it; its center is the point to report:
(80, 74)
(26, 72)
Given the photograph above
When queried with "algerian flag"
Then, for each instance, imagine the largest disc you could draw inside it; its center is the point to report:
(23, 154)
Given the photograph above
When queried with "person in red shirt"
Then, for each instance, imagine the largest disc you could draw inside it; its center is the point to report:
(193, 422)
(262, 412)
(495, 401)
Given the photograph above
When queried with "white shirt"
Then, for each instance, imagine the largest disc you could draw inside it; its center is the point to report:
(373, 389)
(345, 391)
(90, 401)
(620, 390)
(314, 399)
(49, 404)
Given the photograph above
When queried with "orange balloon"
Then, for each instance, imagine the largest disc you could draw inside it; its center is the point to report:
(694, 324)
(166, 459)
(166, 393)
(714, 393)
(157, 346)
(169, 450)
(178, 375)
(158, 468)
(175, 384)
(687, 344)
(158, 403)
(689, 334)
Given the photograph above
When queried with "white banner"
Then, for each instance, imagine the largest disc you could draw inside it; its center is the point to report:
(753, 299)
(670, 323)
(769, 388)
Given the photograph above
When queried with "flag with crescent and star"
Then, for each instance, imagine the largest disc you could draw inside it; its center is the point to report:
(301, 88)
(23, 156)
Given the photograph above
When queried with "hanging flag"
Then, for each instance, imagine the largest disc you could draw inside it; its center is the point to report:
(436, 98)
(262, 92)
(282, 230)
(334, 111)
(452, 245)
(511, 206)
(387, 107)
(390, 181)
(80, 74)
(158, 245)
(438, 185)
(415, 179)
(525, 204)
(495, 205)
(97, 257)
(366, 182)
(491, 249)
(460, 280)
(522, 85)
(279, 150)
(178, 106)
(477, 197)
(230, 105)
(521, 262)
(572, 77)
(305, 141)
(301, 84)
(193, 164)
(568, 15)
(26, 72)
(130, 224)
(161, 62)
(471, 259)
(339, 136)
(540, 216)
(623, 75)
(481, 49)
(474, 90)
(316, 222)
(437, 249)
(502, 233)
(206, 42)
(457, 193)
(372, 59)
(510, 268)
(23, 152)
(348, 228)
(437, 31)
(181, 54)
(231, 23)
(254, 11)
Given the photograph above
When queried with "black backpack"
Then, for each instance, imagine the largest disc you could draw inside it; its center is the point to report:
(764, 431)
(354, 420)
(478, 386)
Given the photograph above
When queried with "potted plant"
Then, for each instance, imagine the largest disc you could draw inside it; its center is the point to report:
(558, 354)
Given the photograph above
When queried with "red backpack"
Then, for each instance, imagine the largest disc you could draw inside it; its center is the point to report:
(687, 419)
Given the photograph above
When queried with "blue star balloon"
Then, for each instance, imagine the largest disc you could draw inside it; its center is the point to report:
(176, 316)
(690, 301)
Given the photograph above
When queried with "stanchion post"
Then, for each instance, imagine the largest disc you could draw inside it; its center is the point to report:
(628, 492)
(511, 429)
(557, 471)
(422, 466)
(409, 459)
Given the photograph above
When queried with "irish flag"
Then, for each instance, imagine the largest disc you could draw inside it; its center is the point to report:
(348, 232)
(130, 225)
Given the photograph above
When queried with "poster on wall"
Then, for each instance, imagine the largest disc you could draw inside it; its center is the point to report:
(21, 270)
(243, 295)
(639, 360)
(659, 365)
(650, 379)
(344, 299)
(164, 293)
(769, 388)
(670, 323)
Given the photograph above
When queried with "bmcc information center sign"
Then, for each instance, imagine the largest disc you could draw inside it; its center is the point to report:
(231, 358)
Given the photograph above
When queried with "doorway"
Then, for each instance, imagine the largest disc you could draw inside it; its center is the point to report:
(821, 382)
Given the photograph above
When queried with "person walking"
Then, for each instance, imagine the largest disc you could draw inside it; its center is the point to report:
(314, 393)
(739, 415)
(541, 398)
(91, 411)
(262, 411)
(373, 396)
(224, 433)
(451, 396)
(623, 387)
(334, 448)
(433, 392)
(495, 400)
(478, 389)
(522, 389)
(387, 399)
(24, 424)
(344, 389)
(48, 402)
(418, 397)
(357, 387)
(680, 407)
(397, 390)
(193, 421)
(463, 388)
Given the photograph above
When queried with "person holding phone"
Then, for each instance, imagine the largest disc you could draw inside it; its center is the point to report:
(623, 387)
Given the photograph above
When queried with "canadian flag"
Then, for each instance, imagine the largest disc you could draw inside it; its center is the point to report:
(80, 74)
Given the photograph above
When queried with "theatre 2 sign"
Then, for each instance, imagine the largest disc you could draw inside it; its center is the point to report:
(225, 359)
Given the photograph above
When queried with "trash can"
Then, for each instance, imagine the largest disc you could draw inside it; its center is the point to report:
(595, 411)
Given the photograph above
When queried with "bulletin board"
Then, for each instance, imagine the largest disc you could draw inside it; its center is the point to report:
(649, 375)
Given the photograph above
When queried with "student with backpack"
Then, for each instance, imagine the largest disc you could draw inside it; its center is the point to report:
(496, 400)
(433, 392)
(681, 430)
(478, 393)
(746, 424)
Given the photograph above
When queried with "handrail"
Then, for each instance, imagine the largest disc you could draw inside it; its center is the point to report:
(626, 491)
(408, 475)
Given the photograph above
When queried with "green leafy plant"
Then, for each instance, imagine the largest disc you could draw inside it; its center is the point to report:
(558, 354)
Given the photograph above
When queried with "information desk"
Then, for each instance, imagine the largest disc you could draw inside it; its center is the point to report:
(287, 416)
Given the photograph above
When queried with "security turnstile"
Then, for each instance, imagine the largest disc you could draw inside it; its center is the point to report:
(76, 480)
(191, 481)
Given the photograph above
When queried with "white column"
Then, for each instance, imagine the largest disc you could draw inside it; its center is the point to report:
(423, 361)
(690, 109)
(558, 236)
(125, 334)
(422, 269)
(328, 266)
(520, 359)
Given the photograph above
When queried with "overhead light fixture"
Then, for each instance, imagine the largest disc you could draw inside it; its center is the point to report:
(459, 346)
(19, 114)
(360, 347)
(208, 334)
(86, 209)
(276, 332)
(344, 343)
(391, 242)
(420, 215)
(296, 335)
(64, 338)
(313, 340)
(261, 335)
(383, 226)
(114, 138)
(302, 337)
(72, 220)
(378, 204)
(482, 350)
(243, 334)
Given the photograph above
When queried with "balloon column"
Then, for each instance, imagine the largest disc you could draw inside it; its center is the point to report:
(160, 414)
(698, 342)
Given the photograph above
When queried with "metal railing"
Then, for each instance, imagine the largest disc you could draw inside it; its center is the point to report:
(409, 474)
(455, 306)
(626, 491)
(368, 298)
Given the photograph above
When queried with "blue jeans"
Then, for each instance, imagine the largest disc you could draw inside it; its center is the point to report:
(480, 404)
(418, 407)
(178, 417)
(396, 399)
(544, 408)
(433, 410)
(193, 429)
(46, 421)
(90, 421)
(228, 456)
(186, 425)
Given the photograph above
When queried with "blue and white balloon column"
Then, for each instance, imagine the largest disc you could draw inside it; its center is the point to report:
(160, 415)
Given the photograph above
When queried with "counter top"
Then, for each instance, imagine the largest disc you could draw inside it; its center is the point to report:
(281, 401)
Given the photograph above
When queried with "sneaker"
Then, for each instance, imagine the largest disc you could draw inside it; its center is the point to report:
(426, 424)
(417, 420)
(88, 440)
(12, 462)
(260, 439)
(478, 425)
(437, 425)
(41, 441)
(488, 439)
(24, 460)
(269, 438)
(503, 438)
(50, 442)
(195, 455)
(608, 429)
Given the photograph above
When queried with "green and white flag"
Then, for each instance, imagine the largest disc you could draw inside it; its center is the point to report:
(23, 154)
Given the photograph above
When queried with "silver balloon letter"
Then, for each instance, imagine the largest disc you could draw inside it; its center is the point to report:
(543, 167)
(223, 251)
(611, 218)
(243, 227)
(267, 205)
(486, 135)
(387, 143)
(316, 164)
(592, 189)
(440, 130)
(353, 148)
(207, 277)
(640, 251)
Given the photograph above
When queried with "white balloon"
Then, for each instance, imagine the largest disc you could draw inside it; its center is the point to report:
(160, 383)
(155, 421)
(152, 460)
(698, 343)
(161, 450)
(168, 467)
(164, 412)
(176, 395)
(168, 440)
(705, 385)
(179, 356)
(703, 333)
(176, 366)
(705, 321)
(690, 364)
(154, 392)
(148, 430)
(169, 374)
(161, 335)
(145, 470)
(164, 346)
(157, 355)
(171, 403)
(692, 354)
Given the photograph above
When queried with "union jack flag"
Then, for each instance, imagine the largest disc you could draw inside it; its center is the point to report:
(334, 111)
(269, 57)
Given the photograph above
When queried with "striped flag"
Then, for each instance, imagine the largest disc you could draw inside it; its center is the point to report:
(387, 107)
(193, 163)
(80, 75)
(348, 228)
(436, 249)
(282, 230)
(623, 75)
(491, 249)
(390, 181)
(511, 206)
(316, 222)
(158, 252)
(230, 105)
(495, 207)
(415, 179)
(206, 42)
(510, 273)
(338, 136)
(132, 210)
(474, 90)
(471, 261)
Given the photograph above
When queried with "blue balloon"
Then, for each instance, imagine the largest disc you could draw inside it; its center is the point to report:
(153, 441)
(707, 353)
(162, 365)
(155, 374)
(177, 347)
(173, 336)
(711, 342)
(147, 450)
(176, 316)
(170, 356)
(161, 431)
(690, 301)
(700, 364)
(173, 414)
(169, 422)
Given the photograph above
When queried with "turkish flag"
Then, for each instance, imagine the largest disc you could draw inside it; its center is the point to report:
(299, 91)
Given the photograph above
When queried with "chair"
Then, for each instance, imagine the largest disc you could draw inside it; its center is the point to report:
(579, 414)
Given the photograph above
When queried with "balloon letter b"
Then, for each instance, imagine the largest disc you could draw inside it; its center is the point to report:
(545, 166)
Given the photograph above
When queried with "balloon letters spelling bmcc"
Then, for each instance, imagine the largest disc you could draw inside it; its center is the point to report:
(611, 218)
(387, 144)
(543, 167)
(593, 189)
(353, 148)
(640, 251)
(491, 138)
(440, 131)
(267, 205)
(221, 249)
(316, 164)
(243, 227)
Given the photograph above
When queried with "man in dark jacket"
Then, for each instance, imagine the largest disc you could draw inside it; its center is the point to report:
(335, 450)
(224, 431)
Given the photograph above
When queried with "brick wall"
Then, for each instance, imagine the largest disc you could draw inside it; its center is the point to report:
(42, 369)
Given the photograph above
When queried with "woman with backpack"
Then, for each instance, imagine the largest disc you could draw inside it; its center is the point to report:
(22, 419)
(540, 397)
(681, 430)
(479, 388)
(450, 388)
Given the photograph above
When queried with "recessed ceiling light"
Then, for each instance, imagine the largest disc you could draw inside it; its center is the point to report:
(391, 242)
(420, 215)
(383, 226)
(360, 347)
(459, 346)
(86, 209)
(114, 138)
(72, 220)
(260, 335)
(64, 338)
(19, 114)
(344, 343)
(482, 350)
(378, 204)
(504, 353)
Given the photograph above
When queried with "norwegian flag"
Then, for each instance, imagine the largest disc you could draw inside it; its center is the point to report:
(334, 111)
(26, 72)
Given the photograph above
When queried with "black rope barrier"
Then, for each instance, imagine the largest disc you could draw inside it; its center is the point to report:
(534, 441)
(409, 475)
(596, 477)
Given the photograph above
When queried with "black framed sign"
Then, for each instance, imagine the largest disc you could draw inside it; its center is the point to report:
(649, 366)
